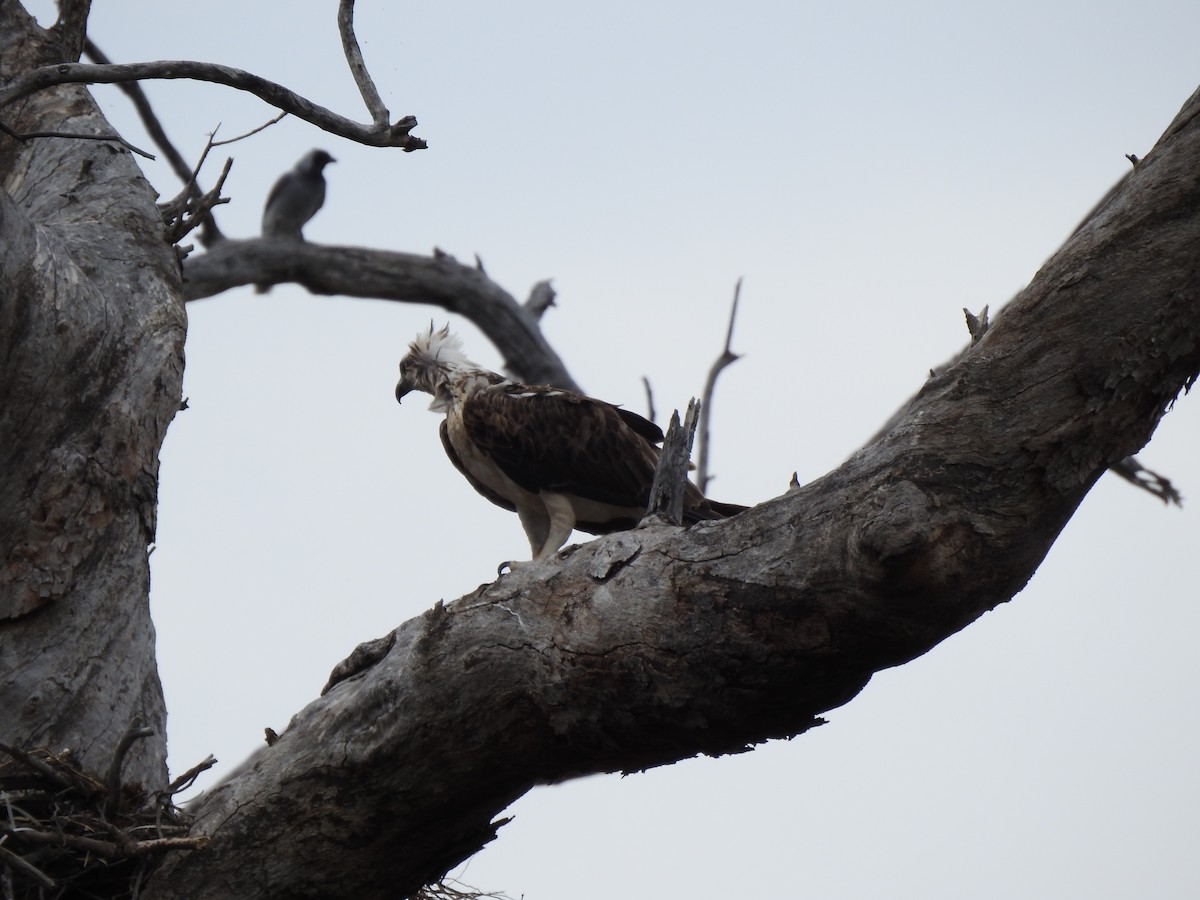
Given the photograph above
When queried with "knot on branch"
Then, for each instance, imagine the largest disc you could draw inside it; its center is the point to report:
(910, 547)
(364, 656)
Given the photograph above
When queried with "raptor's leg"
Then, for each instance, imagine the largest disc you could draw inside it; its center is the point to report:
(562, 522)
(536, 520)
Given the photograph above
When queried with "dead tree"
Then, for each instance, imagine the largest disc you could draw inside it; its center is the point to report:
(643, 648)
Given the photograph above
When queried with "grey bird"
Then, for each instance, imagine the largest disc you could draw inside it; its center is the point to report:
(294, 199)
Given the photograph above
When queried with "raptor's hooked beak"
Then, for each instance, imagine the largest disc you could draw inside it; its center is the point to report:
(402, 387)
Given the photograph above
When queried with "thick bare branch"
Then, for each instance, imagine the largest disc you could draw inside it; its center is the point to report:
(651, 645)
(188, 778)
(438, 280)
(395, 135)
(1130, 469)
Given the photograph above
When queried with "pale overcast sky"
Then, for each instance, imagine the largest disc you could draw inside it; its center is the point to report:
(870, 168)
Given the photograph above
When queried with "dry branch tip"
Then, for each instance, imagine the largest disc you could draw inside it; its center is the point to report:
(977, 325)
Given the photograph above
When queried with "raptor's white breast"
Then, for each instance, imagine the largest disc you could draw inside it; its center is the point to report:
(480, 465)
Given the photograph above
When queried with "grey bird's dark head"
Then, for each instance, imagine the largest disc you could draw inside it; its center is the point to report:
(313, 162)
(296, 197)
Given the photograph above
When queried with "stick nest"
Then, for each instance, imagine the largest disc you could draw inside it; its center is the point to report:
(63, 834)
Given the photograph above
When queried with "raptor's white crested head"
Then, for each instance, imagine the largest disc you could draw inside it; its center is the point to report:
(434, 358)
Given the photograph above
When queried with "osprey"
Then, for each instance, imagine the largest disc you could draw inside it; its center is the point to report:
(560, 460)
(296, 197)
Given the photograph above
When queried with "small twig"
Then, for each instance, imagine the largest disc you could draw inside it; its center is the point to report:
(1148, 480)
(135, 889)
(670, 475)
(12, 861)
(135, 732)
(130, 846)
(141, 848)
(174, 208)
(253, 131)
(188, 778)
(358, 68)
(189, 210)
(116, 138)
(9, 809)
(650, 411)
(727, 358)
(453, 889)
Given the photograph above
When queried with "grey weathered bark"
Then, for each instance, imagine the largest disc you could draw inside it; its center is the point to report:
(91, 358)
(634, 650)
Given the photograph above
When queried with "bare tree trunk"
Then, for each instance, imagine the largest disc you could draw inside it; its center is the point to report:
(91, 358)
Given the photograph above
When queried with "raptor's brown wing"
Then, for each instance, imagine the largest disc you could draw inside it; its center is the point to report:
(549, 439)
